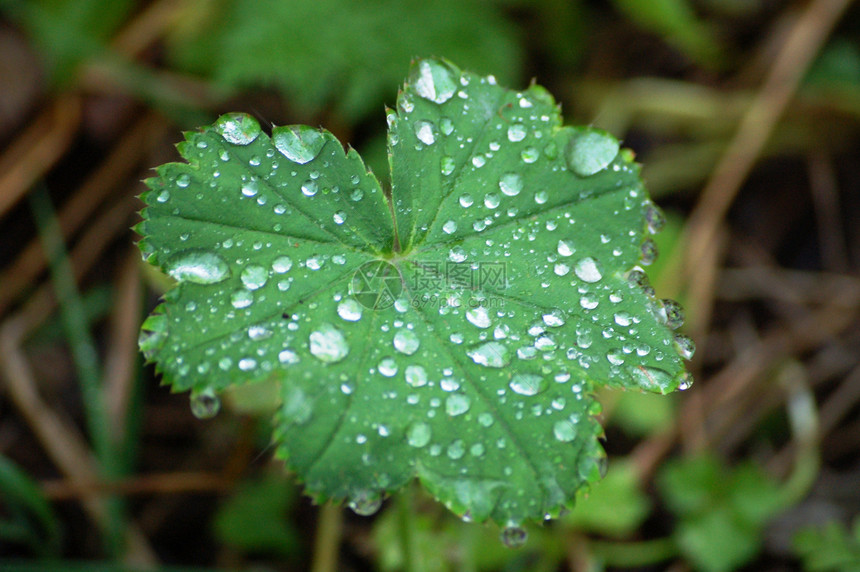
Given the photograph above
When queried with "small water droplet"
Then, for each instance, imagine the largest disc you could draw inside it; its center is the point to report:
(685, 346)
(183, 180)
(250, 188)
(449, 227)
(491, 200)
(339, 217)
(288, 357)
(199, 267)
(466, 200)
(490, 354)
(587, 270)
(328, 344)
(309, 188)
(299, 143)
(282, 264)
(527, 383)
(418, 434)
(541, 197)
(416, 375)
(554, 319)
(254, 277)
(478, 316)
(350, 310)
(530, 155)
(673, 312)
(457, 254)
(590, 151)
(406, 342)
(447, 165)
(237, 128)
(516, 132)
(514, 536)
(457, 404)
(365, 503)
(651, 378)
(205, 404)
(387, 367)
(425, 131)
(456, 449)
(649, 252)
(564, 430)
(241, 298)
(654, 219)
(511, 184)
(247, 364)
(565, 248)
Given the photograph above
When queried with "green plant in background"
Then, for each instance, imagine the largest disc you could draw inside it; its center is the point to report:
(453, 330)
(830, 548)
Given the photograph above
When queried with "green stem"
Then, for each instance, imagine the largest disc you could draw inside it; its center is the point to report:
(84, 354)
(327, 544)
(634, 554)
(407, 530)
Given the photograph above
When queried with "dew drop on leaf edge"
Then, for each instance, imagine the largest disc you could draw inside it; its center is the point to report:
(238, 128)
(299, 143)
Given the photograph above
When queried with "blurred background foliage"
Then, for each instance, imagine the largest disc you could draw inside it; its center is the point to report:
(746, 116)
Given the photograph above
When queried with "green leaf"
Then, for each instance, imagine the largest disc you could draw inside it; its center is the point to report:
(722, 512)
(454, 335)
(339, 53)
(831, 548)
(615, 507)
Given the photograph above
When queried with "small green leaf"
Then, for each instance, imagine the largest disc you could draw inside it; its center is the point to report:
(830, 548)
(454, 335)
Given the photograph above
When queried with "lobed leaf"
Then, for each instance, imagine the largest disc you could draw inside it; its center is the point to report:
(454, 335)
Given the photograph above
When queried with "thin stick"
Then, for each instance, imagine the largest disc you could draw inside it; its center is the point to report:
(327, 543)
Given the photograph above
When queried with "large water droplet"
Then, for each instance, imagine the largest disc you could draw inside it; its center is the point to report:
(238, 128)
(449, 227)
(254, 277)
(350, 310)
(425, 132)
(241, 298)
(198, 266)
(587, 271)
(651, 378)
(205, 404)
(434, 80)
(310, 188)
(514, 536)
(511, 184)
(490, 354)
(478, 316)
(554, 319)
(406, 342)
(590, 151)
(365, 503)
(328, 344)
(654, 219)
(516, 132)
(387, 367)
(299, 143)
(418, 434)
(685, 346)
(527, 383)
(457, 404)
(673, 312)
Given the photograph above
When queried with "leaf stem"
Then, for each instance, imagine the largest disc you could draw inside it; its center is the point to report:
(327, 544)
(407, 529)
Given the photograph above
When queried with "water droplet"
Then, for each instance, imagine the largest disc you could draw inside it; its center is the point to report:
(183, 180)
(205, 404)
(490, 354)
(651, 378)
(247, 364)
(478, 316)
(259, 332)
(554, 319)
(434, 80)
(241, 298)
(457, 254)
(566, 248)
(254, 277)
(685, 381)
(416, 375)
(530, 155)
(449, 227)
(339, 217)
(356, 195)
(587, 271)
(511, 184)
(564, 430)
(310, 188)
(466, 200)
(250, 188)
(541, 197)
(288, 357)
(328, 344)
(623, 319)
(365, 503)
(516, 132)
(456, 449)
(514, 536)
(447, 164)
(418, 434)
(237, 128)
(457, 404)
(350, 310)
(685, 346)
(486, 419)
(674, 313)
(387, 367)
(492, 200)
(299, 143)
(425, 132)
(406, 342)
(654, 219)
(198, 266)
(590, 151)
(649, 252)
(527, 383)
(282, 264)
